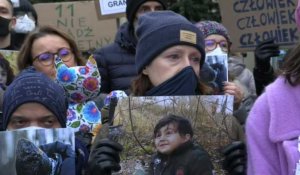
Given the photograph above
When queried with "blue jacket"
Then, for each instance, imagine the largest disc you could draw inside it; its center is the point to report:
(116, 62)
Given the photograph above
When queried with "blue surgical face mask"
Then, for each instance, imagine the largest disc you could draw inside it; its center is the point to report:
(24, 24)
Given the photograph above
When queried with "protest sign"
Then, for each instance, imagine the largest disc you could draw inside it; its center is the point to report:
(110, 8)
(79, 20)
(251, 21)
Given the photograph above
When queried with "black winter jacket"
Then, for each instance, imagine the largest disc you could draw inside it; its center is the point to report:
(187, 159)
(116, 62)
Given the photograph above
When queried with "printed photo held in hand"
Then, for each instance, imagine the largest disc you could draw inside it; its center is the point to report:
(217, 69)
(11, 57)
(37, 151)
(210, 116)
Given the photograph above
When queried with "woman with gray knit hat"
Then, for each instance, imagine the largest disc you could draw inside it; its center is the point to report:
(217, 40)
(170, 53)
(242, 87)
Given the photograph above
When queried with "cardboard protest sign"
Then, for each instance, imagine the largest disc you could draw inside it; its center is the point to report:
(37, 151)
(250, 22)
(78, 19)
(110, 8)
(136, 117)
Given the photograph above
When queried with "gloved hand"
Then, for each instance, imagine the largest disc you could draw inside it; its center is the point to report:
(65, 150)
(235, 158)
(85, 139)
(263, 53)
(104, 157)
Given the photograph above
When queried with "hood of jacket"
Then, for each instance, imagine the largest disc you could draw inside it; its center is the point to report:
(283, 101)
(235, 66)
(125, 38)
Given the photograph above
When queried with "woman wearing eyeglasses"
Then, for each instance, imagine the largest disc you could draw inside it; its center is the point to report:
(217, 41)
(40, 47)
(240, 84)
(81, 81)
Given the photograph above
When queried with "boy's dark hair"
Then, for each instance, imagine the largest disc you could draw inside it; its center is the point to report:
(183, 124)
(6, 67)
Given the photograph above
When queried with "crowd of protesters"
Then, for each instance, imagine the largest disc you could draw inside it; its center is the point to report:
(157, 52)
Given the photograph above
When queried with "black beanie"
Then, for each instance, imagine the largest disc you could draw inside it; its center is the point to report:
(160, 30)
(25, 6)
(133, 5)
(33, 86)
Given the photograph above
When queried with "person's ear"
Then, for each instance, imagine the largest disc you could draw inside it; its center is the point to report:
(145, 71)
(187, 137)
(13, 22)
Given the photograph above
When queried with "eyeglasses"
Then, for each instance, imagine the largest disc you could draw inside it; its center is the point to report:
(211, 44)
(47, 58)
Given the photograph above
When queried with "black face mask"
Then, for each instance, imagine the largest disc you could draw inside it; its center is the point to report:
(183, 83)
(4, 26)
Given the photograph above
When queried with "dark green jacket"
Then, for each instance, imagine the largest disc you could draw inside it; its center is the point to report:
(188, 159)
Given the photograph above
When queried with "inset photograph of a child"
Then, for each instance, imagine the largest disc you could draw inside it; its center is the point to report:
(175, 134)
(37, 151)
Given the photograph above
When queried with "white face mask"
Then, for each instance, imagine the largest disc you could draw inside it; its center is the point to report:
(27, 128)
(24, 24)
(216, 51)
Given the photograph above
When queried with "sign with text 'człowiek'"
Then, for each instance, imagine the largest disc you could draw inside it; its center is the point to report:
(251, 21)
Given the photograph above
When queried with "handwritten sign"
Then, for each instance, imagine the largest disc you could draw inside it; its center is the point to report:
(79, 20)
(110, 8)
(251, 21)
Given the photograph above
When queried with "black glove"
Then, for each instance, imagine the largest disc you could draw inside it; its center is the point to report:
(263, 53)
(104, 157)
(85, 139)
(65, 150)
(235, 158)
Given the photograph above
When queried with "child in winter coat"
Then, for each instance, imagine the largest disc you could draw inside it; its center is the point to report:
(176, 152)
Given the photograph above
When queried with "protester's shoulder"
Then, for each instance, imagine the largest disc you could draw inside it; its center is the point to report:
(271, 92)
(108, 48)
(281, 85)
(197, 150)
